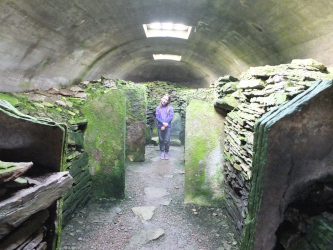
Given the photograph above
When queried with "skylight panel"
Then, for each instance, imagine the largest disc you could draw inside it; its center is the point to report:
(167, 26)
(167, 57)
(155, 26)
(167, 30)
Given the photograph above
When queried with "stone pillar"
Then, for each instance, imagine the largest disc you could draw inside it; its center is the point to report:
(136, 102)
(204, 136)
(105, 143)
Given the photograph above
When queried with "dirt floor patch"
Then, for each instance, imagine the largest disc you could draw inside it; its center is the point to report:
(112, 224)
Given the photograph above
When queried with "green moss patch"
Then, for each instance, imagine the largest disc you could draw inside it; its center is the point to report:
(203, 154)
(10, 98)
(105, 142)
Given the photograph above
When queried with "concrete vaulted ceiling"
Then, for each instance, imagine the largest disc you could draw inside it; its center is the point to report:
(49, 43)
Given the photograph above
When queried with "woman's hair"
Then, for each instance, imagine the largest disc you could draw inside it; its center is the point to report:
(168, 105)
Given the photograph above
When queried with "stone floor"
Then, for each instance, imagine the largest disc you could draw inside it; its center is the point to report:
(152, 215)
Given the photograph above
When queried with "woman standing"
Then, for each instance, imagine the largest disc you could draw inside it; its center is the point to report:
(164, 115)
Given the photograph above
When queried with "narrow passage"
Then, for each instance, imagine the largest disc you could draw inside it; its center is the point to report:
(152, 215)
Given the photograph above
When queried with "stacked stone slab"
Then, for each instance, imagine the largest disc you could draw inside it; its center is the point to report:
(30, 191)
(244, 101)
(65, 106)
(77, 165)
(291, 198)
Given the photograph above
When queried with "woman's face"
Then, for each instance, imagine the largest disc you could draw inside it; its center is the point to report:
(164, 100)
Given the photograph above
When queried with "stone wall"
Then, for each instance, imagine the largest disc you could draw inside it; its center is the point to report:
(290, 203)
(66, 106)
(31, 184)
(244, 101)
(180, 97)
(155, 91)
(62, 106)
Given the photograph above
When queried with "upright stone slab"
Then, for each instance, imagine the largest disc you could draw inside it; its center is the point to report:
(136, 103)
(176, 125)
(292, 154)
(105, 143)
(25, 138)
(204, 136)
(42, 141)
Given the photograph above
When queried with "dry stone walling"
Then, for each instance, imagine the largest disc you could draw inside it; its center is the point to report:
(291, 199)
(244, 101)
(31, 153)
(96, 115)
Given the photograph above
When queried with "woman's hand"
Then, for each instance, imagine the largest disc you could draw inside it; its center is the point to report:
(162, 128)
(165, 124)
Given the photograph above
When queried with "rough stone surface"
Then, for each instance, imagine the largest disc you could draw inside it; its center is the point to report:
(14, 212)
(136, 108)
(12, 170)
(155, 192)
(203, 154)
(186, 226)
(281, 84)
(25, 138)
(145, 236)
(28, 228)
(293, 149)
(175, 142)
(251, 84)
(105, 142)
(145, 213)
(41, 140)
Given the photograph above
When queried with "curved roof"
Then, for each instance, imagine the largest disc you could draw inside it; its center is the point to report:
(47, 43)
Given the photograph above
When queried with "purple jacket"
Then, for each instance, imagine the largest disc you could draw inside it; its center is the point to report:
(161, 116)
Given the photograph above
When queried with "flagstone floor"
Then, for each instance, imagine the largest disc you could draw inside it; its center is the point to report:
(152, 215)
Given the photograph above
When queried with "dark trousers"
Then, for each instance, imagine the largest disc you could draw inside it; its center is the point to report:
(164, 137)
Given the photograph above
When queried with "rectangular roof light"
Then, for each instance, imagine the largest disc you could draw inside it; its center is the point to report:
(167, 30)
(167, 57)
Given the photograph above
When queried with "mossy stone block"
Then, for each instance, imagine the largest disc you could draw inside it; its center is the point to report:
(77, 137)
(228, 102)
(175, 142)
(203, 154)
(105, 142)
(10, 98)
(229, 87)
(136, 119)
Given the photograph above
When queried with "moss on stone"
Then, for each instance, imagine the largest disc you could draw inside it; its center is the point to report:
(203, 155)
(136, 119)
(10, 98)
(228, 102)
(105, 142)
